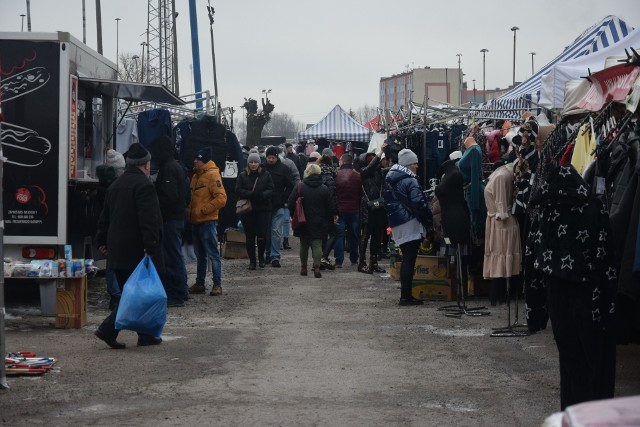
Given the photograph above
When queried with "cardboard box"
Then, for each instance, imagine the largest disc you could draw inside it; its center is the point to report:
(434, 290)
(431, 268)
(234, 235)
(395, 261)
(71, 302)
(234, 250)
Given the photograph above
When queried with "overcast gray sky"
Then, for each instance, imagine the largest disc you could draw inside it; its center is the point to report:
(316, 54)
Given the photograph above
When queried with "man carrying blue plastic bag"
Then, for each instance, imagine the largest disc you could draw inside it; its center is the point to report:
(130, 230)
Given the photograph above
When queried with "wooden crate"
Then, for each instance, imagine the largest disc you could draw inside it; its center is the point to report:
(71, 302)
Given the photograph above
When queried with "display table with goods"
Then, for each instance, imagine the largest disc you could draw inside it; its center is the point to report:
(62, 285)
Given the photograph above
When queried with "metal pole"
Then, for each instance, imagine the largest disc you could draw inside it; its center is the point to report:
(117, 48)
(195, 52)
(99, 25)
(22, 15)
(459, 55)
(532, 55)
(514, 29)
(213, 56)
(84, 23)
(3, 378)
(176, 84)
(28, 16)
(474, 92)
(484, 86)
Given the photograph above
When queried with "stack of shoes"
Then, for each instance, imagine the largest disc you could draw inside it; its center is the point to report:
(326, 264)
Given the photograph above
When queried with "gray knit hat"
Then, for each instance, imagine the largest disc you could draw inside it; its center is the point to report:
(407, 157)
(115, 159)
(253, 157)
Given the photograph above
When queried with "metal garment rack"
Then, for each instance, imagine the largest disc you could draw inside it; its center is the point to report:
(461, 308)
(511, 329)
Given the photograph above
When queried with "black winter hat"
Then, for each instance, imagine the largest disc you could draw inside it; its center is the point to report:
(272, 151)
(204, 155)
(137, 155)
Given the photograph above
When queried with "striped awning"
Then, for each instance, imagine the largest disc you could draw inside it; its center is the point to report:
(526, 95)
(338, 125)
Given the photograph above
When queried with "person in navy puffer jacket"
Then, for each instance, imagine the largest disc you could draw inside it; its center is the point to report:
(409, 217)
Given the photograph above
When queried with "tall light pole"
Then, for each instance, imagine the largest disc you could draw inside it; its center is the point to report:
(474, 92)
(135, 75)
(532, 55)
(143, 44)
(459, 55)
(514, 29)
(484, 86)
(28, 15)
(117, 47)
(266, 93)
(22, 15)
(213, 56)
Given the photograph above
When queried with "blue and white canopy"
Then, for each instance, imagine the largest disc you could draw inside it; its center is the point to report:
(337, 126)
(608, 32)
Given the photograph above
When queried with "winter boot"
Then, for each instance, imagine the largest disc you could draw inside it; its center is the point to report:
(303, 270)
(316, 271)
(374, 267)
(285, 243)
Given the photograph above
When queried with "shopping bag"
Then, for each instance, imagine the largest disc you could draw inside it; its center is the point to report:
(298, 219)
(143, 304)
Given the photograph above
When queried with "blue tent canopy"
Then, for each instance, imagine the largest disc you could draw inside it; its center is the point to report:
(608, 31)
(337, 126)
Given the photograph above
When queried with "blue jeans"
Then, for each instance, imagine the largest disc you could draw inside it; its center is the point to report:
(277, 217)
(349, 223)
(205, 243)
(286, 224)
(175, 272)
(112, 283)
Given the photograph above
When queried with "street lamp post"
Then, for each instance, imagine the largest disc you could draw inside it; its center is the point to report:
(532, 55)
(514, 29)
(117, 46)
(459, 55)
(474, 92)
(22, 15)
(266, 93)
(484, 86)
(143, 44)
(135, 75)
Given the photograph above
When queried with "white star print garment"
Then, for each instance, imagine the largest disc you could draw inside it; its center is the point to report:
(569, 240)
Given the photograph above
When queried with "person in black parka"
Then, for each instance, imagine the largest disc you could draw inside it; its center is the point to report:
(171, 189)
(318, 206)
(130, 227)
(255, 184)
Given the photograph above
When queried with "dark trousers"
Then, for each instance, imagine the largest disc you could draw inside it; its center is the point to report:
(175, 275)
(330, 241)
(587, 354)
(409, 256)
(108, 326)
(256, 227)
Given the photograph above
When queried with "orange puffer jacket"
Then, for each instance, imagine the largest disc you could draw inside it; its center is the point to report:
(207, 194)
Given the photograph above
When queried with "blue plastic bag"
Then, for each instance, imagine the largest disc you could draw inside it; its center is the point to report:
(143, 304)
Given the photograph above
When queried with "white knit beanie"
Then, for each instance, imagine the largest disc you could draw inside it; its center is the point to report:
(115, 159)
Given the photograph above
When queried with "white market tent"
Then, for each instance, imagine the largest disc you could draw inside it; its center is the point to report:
(609, 35)
(338, 125)
(552, 91)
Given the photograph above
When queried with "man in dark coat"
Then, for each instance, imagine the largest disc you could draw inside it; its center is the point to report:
(130, 227)
(282, 186)
(171, 189)
(348, 196)
(291, 155)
